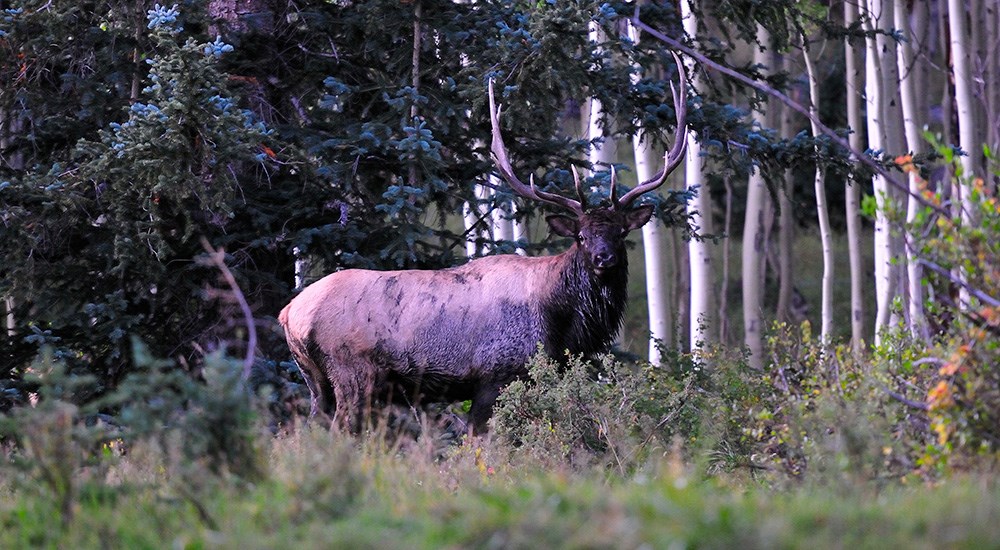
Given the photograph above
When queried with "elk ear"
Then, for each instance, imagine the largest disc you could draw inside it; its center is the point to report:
(638, 217)
(564, 226)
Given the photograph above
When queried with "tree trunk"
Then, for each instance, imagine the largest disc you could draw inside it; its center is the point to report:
(470, 215)
(965, 107)
(852, 195)
(947, 104)
(786, 223)
(681, 290)
(702, 273)
(964, 98)
(503, 223)
(753, 241)
(884, 276)
(991, 68)
(478, 212)
(11, 323)
(914, 143)
(602, 149)
(520, 229)
(653, 244)
(727, 230)
(822, 212)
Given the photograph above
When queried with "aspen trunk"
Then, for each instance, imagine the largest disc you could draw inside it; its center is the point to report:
(753, 243)
(914, 143)
(702, 272)
(653, 245)
(786, 282)
(884, 277)
(852, 195)
(965, 107)
(822, 212)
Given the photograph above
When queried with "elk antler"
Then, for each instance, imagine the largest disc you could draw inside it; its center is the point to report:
(673, 157)
(503, 165)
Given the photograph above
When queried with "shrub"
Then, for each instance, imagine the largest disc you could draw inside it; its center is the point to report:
(961, 257)
(581, 413)
(211, 423)
(56, 444)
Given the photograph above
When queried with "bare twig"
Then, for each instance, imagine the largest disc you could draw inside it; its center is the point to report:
(904, 400)
(982, 296)
(217, 258)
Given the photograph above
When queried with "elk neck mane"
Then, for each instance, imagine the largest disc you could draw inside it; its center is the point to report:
(585, 310)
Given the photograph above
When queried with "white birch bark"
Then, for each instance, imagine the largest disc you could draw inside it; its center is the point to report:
(822, 211)
(503, 226)
(852, 195)
(914, 144)
(470, 214)
(301, 268)
(653, 244)
(964, 105)
(520, 229)
(602, 150)
(702, 272)
(964, 98)
(874, 97)
(10, 126)
(727, 230)
(602, 145)
(895, 143)
(753, 243)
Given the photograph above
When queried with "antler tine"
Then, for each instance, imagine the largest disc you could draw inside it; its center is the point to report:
(557, 200)
(614, 189)
(502, 161)
(673, 157)
(579, 188)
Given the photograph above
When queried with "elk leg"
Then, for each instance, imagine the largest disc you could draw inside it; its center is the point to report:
(482, 407)
(354, 387)
(320, 392)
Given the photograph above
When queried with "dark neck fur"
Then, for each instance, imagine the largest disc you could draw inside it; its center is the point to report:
(585, 310)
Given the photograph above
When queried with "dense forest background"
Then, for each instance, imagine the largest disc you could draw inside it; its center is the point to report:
(819, 291)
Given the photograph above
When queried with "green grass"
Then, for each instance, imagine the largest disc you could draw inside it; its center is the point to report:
(324, 491)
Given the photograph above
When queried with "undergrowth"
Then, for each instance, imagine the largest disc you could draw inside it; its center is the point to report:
(698, 451)
(821, 448)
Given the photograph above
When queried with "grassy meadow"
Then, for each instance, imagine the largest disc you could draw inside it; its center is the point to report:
(323, 490)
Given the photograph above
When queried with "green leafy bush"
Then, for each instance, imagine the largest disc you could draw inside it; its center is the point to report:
(961, 258)
(56, 445)
(211, 424)
(582, 413)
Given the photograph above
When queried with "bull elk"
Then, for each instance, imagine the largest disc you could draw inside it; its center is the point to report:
(363, 336)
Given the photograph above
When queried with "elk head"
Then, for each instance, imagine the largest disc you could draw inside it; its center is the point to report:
(599, 233)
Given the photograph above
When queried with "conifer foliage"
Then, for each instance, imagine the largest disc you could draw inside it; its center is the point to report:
(345, 133)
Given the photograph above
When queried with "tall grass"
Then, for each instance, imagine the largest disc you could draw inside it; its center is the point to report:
(324, 490)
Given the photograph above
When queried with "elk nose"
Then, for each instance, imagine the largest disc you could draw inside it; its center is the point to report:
(604, 259)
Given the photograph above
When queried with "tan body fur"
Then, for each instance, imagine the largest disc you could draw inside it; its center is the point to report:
(453, 334)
